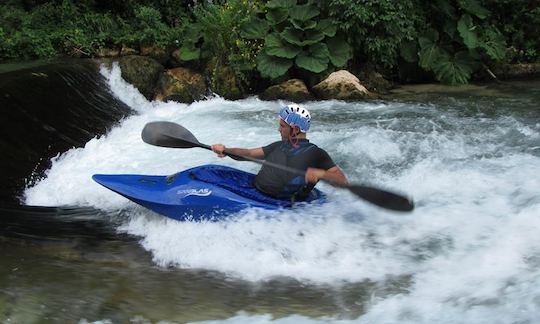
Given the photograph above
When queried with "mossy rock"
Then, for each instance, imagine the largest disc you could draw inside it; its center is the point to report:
(224, 82)
(142, 72)
(294, 90)
(159, 54)
(181, 85)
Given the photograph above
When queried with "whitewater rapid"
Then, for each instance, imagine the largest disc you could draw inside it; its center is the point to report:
(470, 252)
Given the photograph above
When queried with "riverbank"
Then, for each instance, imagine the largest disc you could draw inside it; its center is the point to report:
(185, 84)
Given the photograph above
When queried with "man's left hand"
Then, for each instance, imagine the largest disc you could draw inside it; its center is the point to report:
(313, 175)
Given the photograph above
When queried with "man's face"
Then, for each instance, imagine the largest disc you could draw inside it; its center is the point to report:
(284, 129)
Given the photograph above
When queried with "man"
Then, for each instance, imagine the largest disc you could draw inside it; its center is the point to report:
(294, 151)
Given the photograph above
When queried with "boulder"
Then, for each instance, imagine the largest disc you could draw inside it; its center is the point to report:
(176, 60)
(342, 85)
(157, 53)
(107, 52)
(224, 82)
(128, 51)
(517, 71)
(375, 82)
(294, 90)
(142, 72)
(181, 85)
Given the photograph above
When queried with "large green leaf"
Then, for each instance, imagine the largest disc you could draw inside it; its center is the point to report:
(340, 51)
(281, 3)
(454, 70)
(277, 15)
(430, 53)
(431, 34)
(303, 25)
(193, 33)
(474, 8)
(467, 31)
(449, 27)
(327, 27)
(445, 7)
(272, 66)
(300, 37)
(276, 47)
(254, 29)
(315, 59)
(493, 43)
(189, 52)
(304, 12)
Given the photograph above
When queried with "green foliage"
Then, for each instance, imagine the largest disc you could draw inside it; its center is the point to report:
(272, 66)
(450, 39)
(454, 56)
(518, 22)
(433, 34)
(216, 34)
(150, 28)
(454, 69)
(6, 45)
(51, 28)
(376, 28)
(466, 30)
(297, 36)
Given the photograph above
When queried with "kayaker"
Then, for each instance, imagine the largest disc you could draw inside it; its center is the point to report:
(295, 151)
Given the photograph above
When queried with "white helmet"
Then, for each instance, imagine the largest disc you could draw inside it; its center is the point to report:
(295, 115)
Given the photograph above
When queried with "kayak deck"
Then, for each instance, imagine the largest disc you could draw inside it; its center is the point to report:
(208, 192)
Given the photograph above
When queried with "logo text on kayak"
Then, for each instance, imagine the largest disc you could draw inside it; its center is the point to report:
(194, 192)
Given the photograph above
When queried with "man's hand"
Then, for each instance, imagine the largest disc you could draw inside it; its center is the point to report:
(334, 175)
(313, 175)
(219, 149)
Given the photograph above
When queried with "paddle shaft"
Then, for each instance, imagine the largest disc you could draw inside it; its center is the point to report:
(377, 196)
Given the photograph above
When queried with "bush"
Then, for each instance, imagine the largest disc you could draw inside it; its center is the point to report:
(519, 22)
(275, 39)
(51, 28)
(149, 28)
(377, 28)
(214, 35)
(295, 37)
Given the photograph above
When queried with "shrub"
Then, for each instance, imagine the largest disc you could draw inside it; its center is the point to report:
(214, 35)
(295, 35)
(376, 28)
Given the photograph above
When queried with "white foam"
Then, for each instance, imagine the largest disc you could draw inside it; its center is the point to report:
(471, 246)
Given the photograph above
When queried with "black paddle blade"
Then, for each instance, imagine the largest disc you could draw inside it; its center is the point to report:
(382, 198)
(168, 134)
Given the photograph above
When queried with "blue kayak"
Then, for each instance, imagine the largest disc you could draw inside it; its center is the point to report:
(207, 192)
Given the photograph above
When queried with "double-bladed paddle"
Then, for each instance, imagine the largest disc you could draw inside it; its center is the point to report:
(168, 134)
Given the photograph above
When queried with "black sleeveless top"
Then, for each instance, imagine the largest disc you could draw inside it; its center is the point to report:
(283, 184)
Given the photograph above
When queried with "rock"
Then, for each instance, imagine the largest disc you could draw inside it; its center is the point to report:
(342, 85)
(128, 51)
(107, 52)
(157, 53)
(142, 72)
(517, 71)
(374, 81)
(175, 58)
(294, 90)
(224, 82)
(181, 85)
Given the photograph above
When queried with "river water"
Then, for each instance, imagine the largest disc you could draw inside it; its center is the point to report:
(469, 253)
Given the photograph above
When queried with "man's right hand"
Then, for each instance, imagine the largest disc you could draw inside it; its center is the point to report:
(219, 149)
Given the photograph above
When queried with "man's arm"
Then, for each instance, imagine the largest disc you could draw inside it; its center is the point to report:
(221, 150)
(334, 175)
